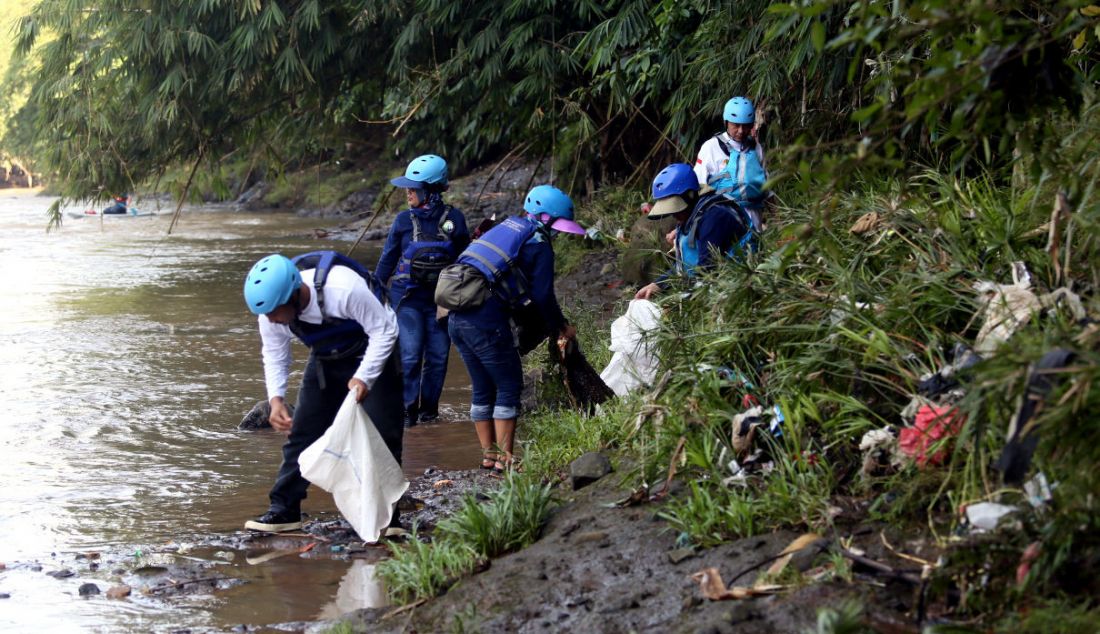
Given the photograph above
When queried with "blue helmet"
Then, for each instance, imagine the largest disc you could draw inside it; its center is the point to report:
(674, 180)
(547, 199)
(739, 110)
(270, 284)
(423, 170)
(553, 208)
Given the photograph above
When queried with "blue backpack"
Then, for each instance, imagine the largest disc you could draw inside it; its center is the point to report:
(333, 338)
(427, 253)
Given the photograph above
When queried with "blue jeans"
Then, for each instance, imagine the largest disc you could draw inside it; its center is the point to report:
(493, 362)
(425, 347)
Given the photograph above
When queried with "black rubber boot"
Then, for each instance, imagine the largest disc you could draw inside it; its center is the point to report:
(412, 412)
(429, 413)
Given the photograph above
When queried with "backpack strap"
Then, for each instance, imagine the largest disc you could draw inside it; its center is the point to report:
(727, 149)
(320, 276)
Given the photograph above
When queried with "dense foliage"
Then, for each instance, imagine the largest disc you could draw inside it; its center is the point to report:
(960, 123)
(607, 90)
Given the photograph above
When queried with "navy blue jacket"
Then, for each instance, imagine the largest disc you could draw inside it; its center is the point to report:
(401, 233)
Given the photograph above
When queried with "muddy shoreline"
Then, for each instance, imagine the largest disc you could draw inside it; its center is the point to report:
(601, 566)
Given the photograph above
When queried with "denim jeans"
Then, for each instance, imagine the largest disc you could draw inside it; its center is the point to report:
(425, 347)
(315, 411)
(493, 362)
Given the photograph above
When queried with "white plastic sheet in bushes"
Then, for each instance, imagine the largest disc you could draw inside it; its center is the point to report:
(352, 462)
(633, 364)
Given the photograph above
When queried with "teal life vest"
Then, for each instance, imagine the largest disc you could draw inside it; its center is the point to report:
(687, 241)
(332, 338)
(743, 177)
(494, 253)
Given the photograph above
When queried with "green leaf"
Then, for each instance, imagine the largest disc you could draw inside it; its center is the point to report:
(817, 36)
(1079, 41)
(863, 114)
(1090, 11)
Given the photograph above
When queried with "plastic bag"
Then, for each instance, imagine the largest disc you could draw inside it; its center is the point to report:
(352, 462)
(633, 363)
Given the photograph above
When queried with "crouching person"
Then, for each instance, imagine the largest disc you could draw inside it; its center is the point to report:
(513, 264)
(331, 308)
(708, 225)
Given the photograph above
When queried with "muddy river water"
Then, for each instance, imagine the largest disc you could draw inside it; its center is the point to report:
(127, 358)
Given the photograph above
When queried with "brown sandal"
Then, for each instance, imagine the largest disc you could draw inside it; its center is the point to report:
(488, 460)
(500, 466)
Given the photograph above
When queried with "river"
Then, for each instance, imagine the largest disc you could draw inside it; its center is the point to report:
(127, 358)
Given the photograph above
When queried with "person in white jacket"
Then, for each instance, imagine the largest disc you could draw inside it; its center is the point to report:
(732, 162)
(331, 307)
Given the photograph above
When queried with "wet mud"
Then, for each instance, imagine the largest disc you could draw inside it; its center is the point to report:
(603, 568)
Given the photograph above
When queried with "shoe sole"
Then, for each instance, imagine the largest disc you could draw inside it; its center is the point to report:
(253, 525)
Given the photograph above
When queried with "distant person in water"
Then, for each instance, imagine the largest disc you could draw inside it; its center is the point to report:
(352, 338)
(121, 206)
(732, 162)
(424, 239)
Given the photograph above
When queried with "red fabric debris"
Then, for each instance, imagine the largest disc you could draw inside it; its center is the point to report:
(1031, 553)
(932, 425)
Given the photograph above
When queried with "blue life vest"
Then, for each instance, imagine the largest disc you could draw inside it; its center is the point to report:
(743, 177)
(427, 254)
(332, 338)
(687, 244)
(494, 253)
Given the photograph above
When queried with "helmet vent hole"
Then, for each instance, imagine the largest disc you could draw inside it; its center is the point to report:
(538, 202)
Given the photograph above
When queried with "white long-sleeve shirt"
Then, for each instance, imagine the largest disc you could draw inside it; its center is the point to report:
(346, 297)
(712, 159)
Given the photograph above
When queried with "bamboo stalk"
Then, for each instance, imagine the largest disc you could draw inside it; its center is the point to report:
(186, 189)
(377, 212)
(521, 147)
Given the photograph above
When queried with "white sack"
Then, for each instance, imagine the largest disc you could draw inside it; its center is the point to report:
(633, 363)
(352, 462)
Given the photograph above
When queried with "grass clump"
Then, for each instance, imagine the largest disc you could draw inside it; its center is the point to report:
(1057, 616)
(836, 328)
(419, 570)
(509, 519)
(846, 618)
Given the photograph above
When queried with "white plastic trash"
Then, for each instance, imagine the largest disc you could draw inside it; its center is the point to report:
(352, 462)
(986, 515)
(633, 363)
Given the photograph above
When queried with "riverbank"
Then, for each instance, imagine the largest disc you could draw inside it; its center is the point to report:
(883, 440)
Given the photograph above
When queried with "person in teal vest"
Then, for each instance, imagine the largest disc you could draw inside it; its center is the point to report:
(424, 239)
(732, 162)
(708, 224)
